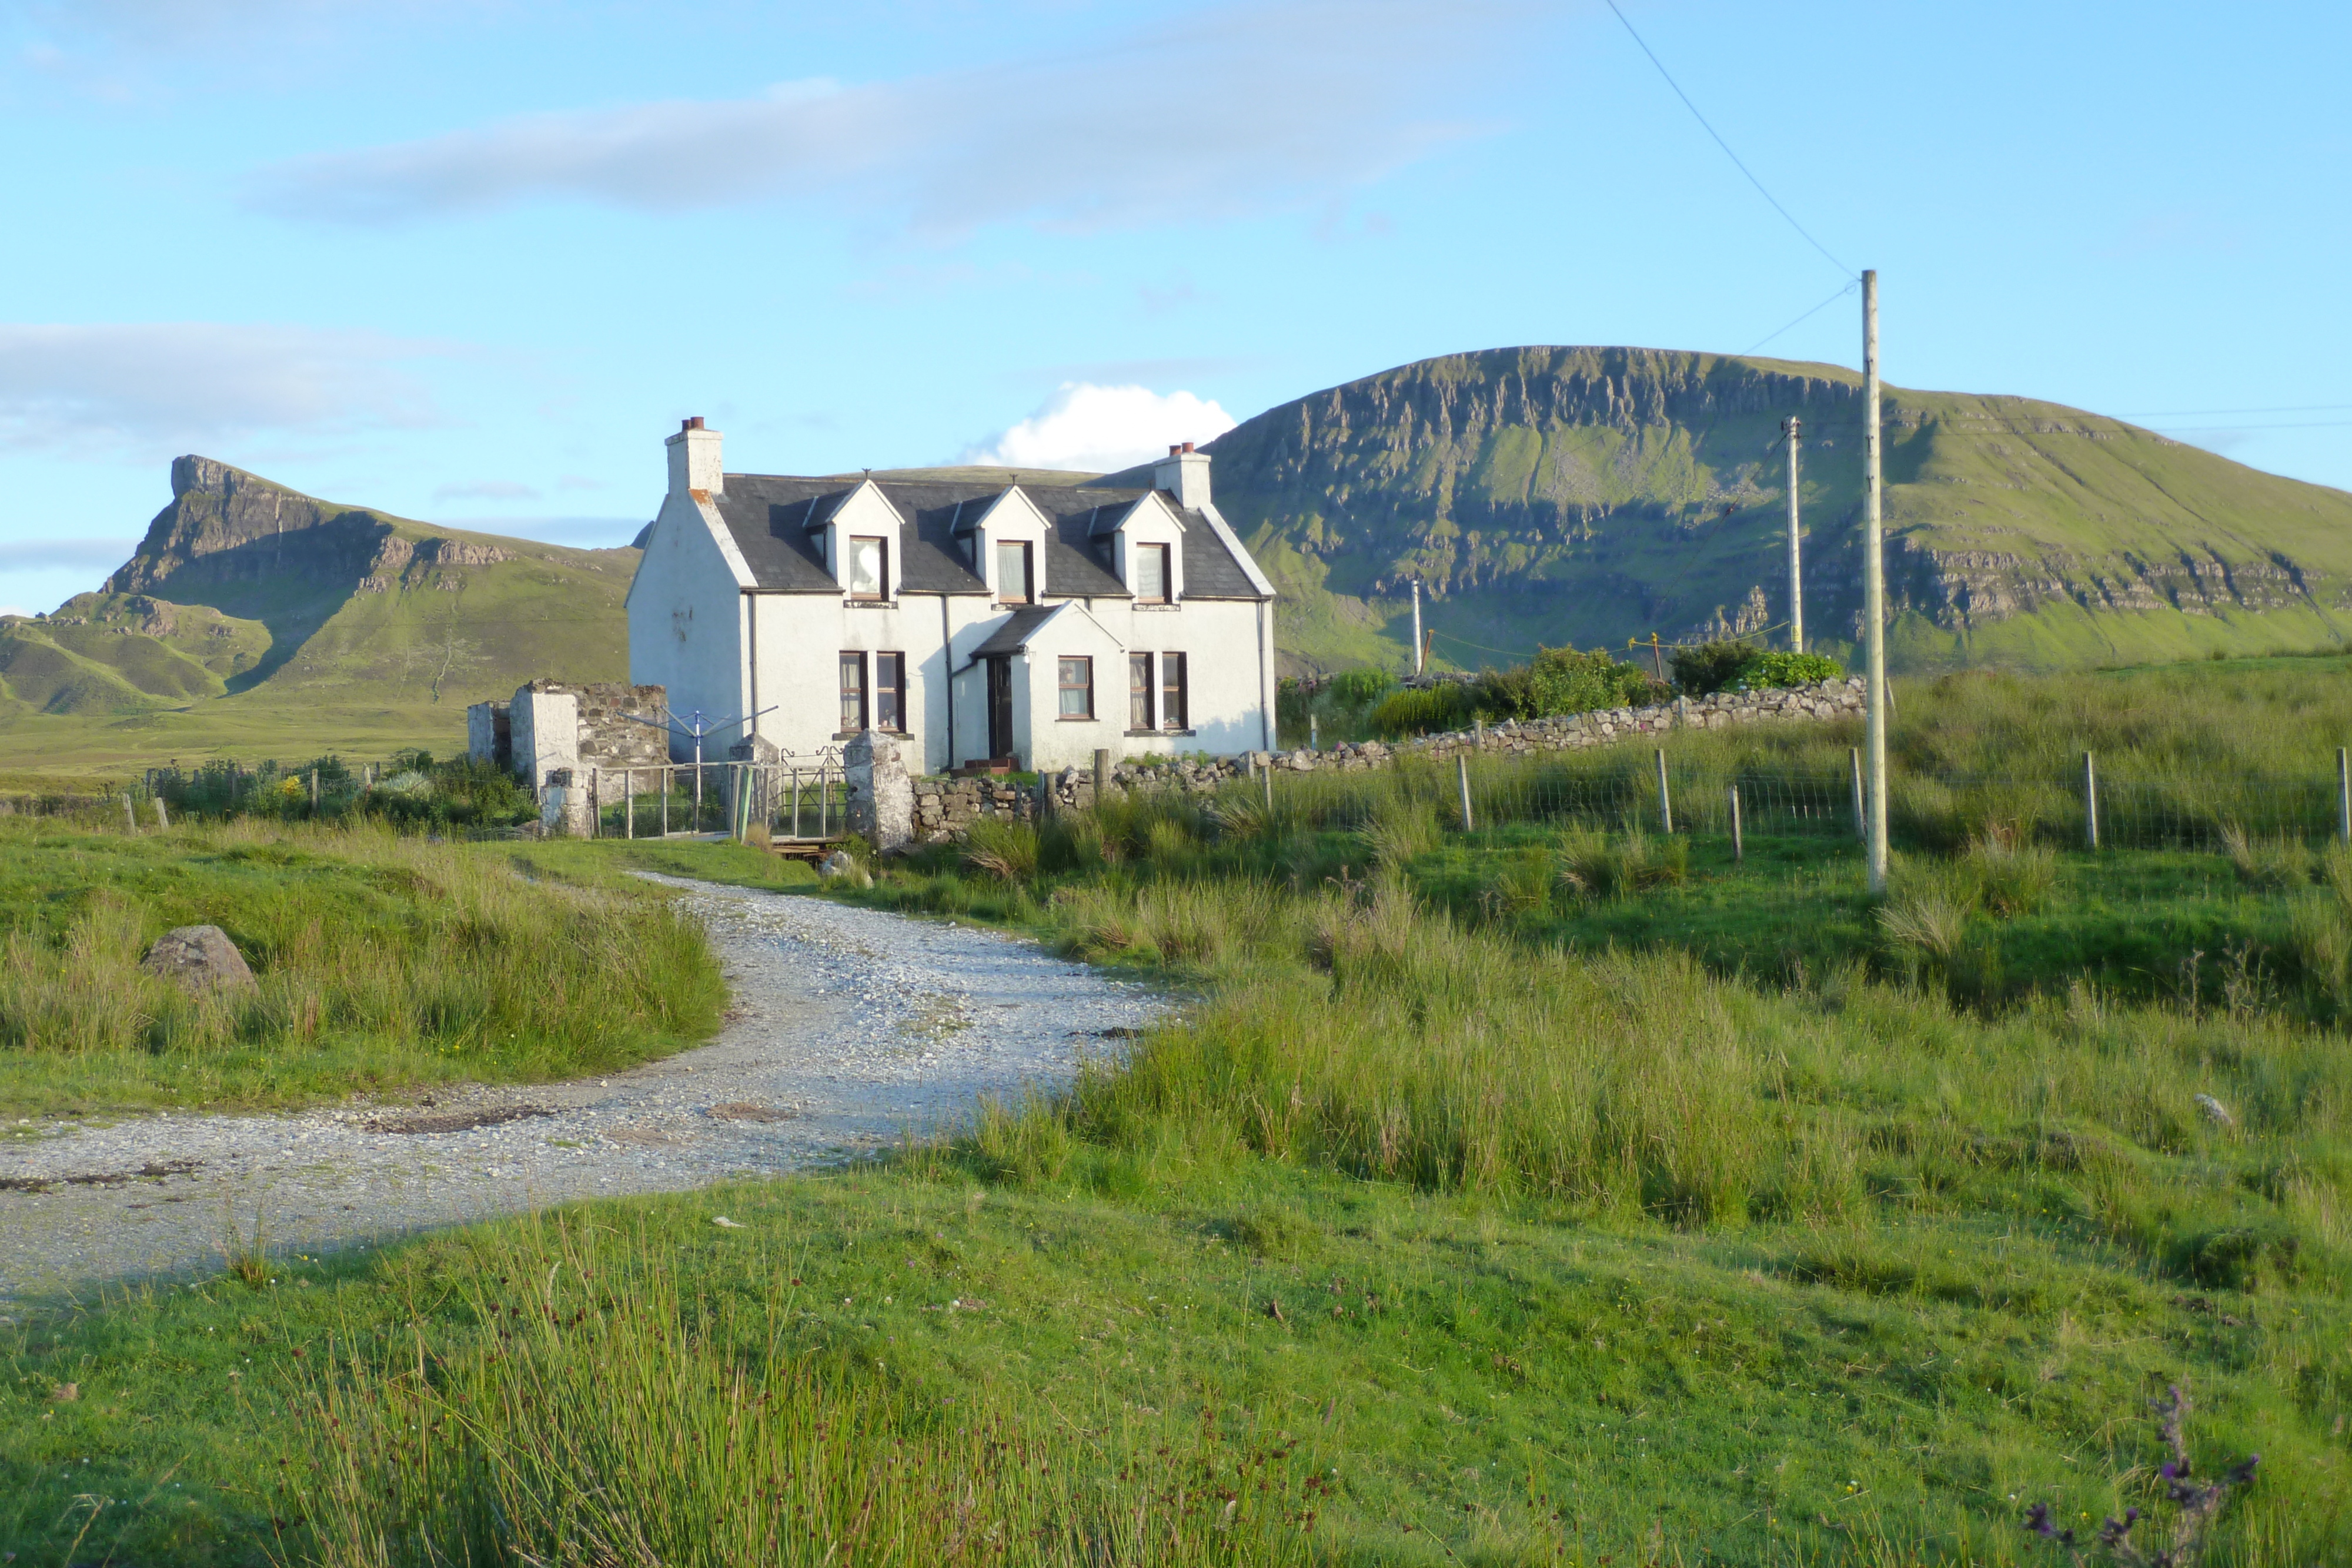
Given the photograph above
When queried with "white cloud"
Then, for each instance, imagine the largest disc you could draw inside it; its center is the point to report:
(184, 382)
(1098, 429)
(1224, 111)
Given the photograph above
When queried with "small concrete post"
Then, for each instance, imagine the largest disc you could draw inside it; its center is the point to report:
(1266, 778)
(1860, 812)
(129, 817)
(1314, 733)
(1738, 851)
(1665, 801)
(2091, 799)
(162, 819)
(1461, 781)
(1102, 775)
(314, 791)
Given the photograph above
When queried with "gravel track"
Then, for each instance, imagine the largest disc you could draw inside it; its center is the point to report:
(848, 1026)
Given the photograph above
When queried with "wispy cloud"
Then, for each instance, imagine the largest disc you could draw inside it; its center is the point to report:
(195, 381)
(1096, 429)
(1224, 112)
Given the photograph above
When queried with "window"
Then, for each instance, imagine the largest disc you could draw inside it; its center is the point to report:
(1173, 710)
(1139, 690)
(1077, 688)
(853, 692)
(890, 692)
(1151, 579)
(1012, 585)
(869, 567)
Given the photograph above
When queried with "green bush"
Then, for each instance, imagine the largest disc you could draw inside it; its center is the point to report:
(1710, 666)
(1767, 671)
(1562, 681)
(1361, 688)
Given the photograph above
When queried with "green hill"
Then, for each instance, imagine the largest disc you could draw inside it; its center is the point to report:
(255, 621)
(1589, 494)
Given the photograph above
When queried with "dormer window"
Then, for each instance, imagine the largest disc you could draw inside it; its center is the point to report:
(1151, 584)
(1014, 584)
(869, 567)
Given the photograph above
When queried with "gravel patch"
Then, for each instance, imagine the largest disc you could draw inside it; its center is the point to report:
(849, 1028)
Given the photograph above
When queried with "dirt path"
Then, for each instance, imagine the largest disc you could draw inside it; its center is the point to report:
(848, 1026)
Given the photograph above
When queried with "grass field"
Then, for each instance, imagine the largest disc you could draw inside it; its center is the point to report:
(1557, 1192)
(382, 963)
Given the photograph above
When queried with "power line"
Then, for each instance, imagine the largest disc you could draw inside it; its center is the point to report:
(1808, 316)
(1728, 152)
(2201, 413)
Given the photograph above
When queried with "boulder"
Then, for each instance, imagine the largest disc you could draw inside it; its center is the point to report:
(200, 957)
(841, 865)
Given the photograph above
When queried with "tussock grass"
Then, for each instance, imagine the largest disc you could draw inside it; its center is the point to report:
(381, 961)
(598, 1415)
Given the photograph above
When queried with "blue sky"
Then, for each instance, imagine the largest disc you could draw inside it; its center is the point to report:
(471, 261)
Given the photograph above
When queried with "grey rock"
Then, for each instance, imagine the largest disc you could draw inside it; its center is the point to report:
(842, 865)
(200, 957)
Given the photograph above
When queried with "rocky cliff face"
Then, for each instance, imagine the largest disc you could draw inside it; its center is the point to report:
(1595, 493)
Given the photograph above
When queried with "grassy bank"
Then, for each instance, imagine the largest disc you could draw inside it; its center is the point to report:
(382, 963)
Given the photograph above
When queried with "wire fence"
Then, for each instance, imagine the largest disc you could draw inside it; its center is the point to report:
(1653, 793)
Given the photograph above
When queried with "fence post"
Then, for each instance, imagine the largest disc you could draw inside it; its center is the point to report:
(628, 802)
(129, 817)
(1861, 815)
(2343, 796)
(1462, 780)
(1665, 801)
(2091, 799)
(314, 791)
(1738, 851)
(1265, 783)
(162, 820)
(1102, 775)
(1314, 733)
(595, 804)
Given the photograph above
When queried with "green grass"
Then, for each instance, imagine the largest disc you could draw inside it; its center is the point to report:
(382, 963)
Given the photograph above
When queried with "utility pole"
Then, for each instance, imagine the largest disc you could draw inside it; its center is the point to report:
(1419, 658)
(1793, 428)
(1874, 585)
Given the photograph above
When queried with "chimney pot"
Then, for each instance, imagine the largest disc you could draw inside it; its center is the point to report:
(693, 424)
(1173, 449)
(1188, 446)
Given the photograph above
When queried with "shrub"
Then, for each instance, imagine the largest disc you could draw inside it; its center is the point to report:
(1004, 850)
(1562, 681)
(1711, 666)
(1765, 672)
(1360, 688)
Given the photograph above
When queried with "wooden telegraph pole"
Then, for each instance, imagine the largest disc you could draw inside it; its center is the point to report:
(1874, 585)
(1793, 428)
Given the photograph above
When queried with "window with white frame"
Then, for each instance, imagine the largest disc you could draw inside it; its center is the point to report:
(869, 567)
(1174, 696)
(1139, 690)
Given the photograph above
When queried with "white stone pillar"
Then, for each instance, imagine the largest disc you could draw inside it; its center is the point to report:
(881, 796)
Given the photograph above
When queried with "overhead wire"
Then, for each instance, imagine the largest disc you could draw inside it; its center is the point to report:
(1719, 141)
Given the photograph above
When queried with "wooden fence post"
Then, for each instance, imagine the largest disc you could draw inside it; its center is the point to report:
(129, 817)
(2343, 796)
(1665, 801)
(1861, 810)
(628, 802)
(1461, 777)
(1738, 851)
(162, 818)
(1102, 775)
(2091, 799)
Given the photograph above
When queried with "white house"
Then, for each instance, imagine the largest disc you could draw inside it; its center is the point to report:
(976, 620)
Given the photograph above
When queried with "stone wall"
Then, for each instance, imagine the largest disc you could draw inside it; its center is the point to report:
(945, 806)
(604, 735)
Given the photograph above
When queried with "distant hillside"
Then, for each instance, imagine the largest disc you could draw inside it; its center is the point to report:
(1587, 494)
(254, 618)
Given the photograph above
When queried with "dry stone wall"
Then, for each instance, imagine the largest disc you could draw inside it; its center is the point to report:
(945, 808)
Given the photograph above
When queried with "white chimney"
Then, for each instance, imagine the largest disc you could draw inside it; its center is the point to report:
(1183, 474)
(693, 459)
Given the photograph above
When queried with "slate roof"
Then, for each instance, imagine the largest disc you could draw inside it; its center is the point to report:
(770, 514)
(1013, 635)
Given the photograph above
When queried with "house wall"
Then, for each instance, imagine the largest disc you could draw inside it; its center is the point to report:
(686, 623)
